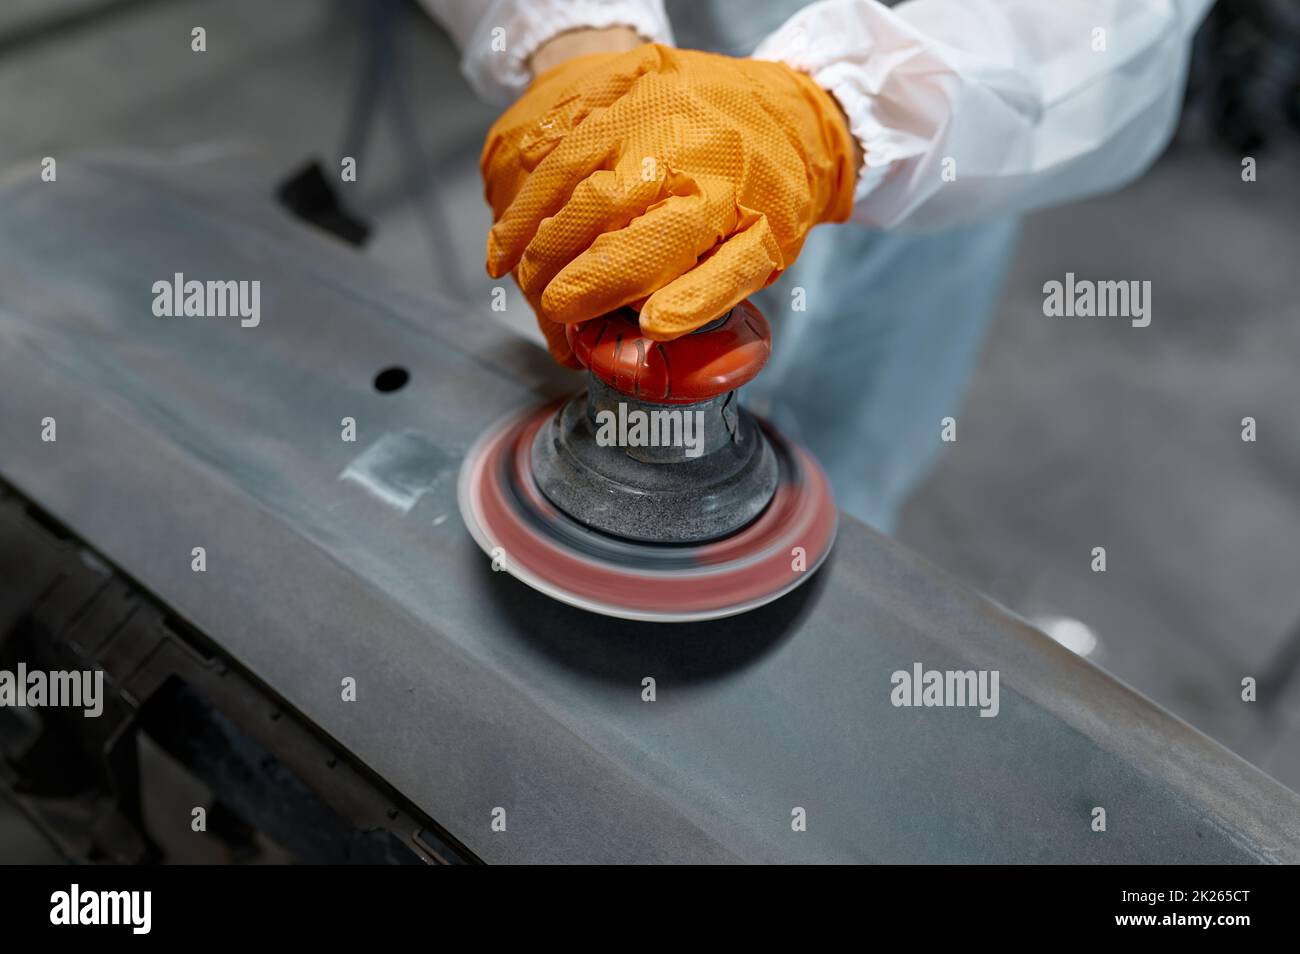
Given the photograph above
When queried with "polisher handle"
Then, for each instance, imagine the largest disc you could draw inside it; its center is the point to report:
(693, 368)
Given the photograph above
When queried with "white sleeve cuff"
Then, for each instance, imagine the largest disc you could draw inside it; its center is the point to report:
(860, 49)
(1037, 101)
(495, 60)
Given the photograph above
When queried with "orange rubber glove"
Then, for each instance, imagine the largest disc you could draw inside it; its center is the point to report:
(673, 180)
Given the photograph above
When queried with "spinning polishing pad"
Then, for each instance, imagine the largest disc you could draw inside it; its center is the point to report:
(528, 536)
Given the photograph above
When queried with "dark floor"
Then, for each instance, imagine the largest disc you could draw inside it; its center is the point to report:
(1076, 433)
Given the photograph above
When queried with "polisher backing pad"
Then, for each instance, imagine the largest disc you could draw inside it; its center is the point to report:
(528, 537)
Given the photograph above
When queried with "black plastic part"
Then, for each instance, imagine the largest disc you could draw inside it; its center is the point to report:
(691, 501)
(310, 196)
(183, 726)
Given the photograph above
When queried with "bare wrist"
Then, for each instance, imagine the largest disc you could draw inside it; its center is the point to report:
(580, 42)
(858, 156)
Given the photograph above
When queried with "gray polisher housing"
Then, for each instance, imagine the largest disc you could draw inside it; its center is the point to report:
(660, 488)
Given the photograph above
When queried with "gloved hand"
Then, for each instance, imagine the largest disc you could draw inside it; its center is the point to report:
(673, 180)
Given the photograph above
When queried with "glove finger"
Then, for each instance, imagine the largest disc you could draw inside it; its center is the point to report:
(540, 139)
(598, 143)
(604, 79)
(746, 262)
(546, 190)
(624, 266)
(557, 343)
(605, 201)
(499, 162)
(520, 139)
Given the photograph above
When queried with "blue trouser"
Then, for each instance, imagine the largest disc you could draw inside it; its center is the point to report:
(882, 354)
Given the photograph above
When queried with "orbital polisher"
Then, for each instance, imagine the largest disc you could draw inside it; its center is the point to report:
(652, 495)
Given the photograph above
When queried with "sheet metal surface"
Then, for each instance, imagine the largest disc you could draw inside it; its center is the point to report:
(328, 559)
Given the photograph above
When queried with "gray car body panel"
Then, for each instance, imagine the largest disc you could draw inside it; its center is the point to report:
(329, 559)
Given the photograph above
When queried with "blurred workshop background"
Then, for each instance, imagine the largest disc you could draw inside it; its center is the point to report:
(1075, 434)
